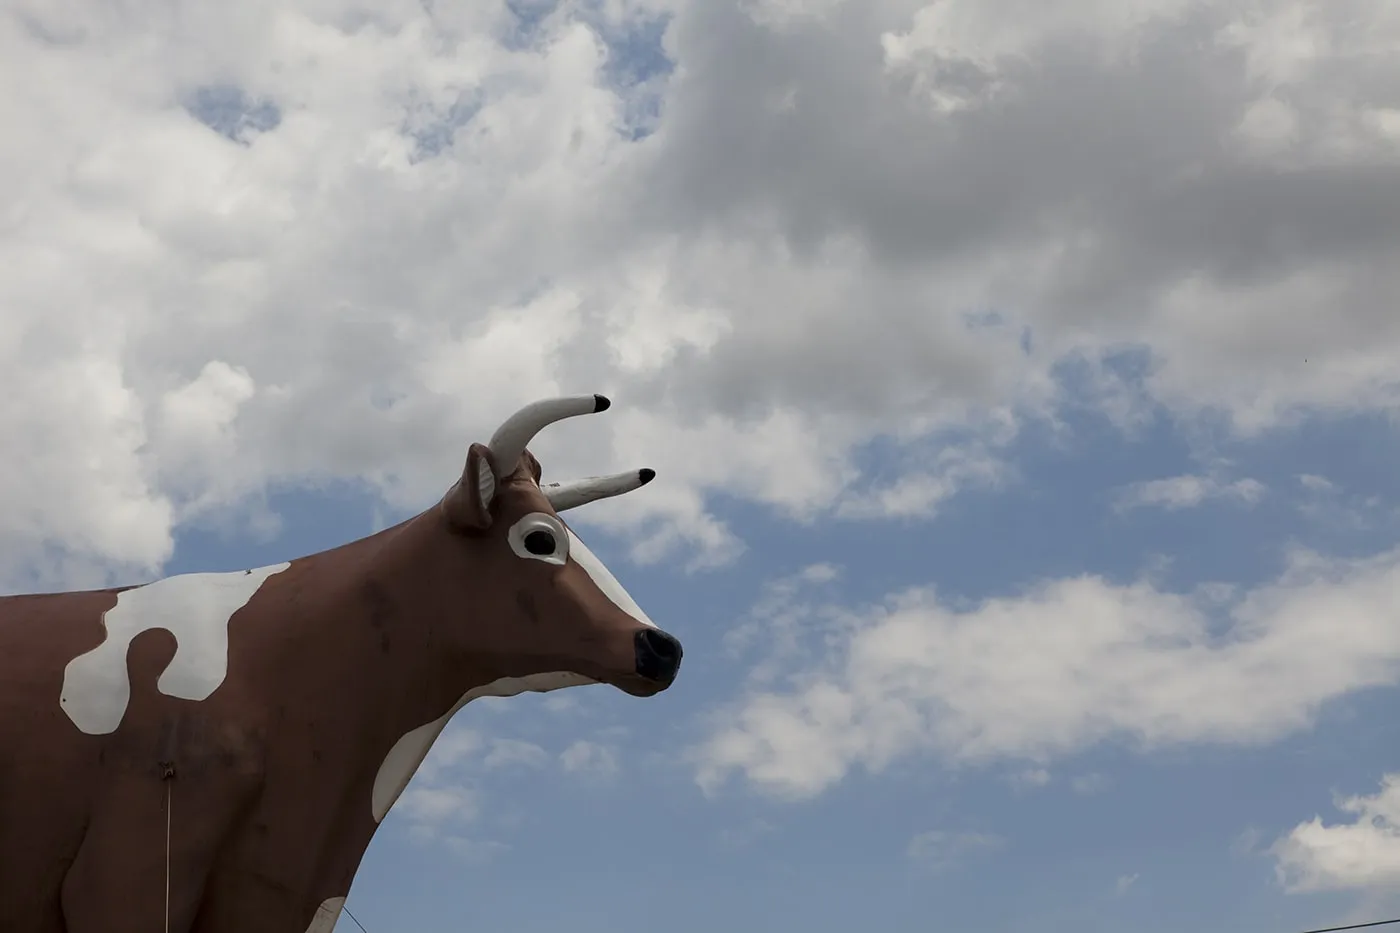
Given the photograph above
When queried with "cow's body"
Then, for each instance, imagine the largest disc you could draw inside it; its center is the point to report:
(267, 738)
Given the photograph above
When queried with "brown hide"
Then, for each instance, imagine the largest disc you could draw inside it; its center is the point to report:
(330, 663)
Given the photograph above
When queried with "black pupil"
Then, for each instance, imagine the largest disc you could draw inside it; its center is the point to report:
(539, 542)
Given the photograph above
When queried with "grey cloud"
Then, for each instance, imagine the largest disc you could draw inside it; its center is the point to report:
(1098, 179)
(434, 227)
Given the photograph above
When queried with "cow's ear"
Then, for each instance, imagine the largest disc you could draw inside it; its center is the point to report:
(468, 503)
(534, 466)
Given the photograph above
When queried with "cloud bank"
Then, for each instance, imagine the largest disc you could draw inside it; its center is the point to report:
(1050, 672)
(272, 244)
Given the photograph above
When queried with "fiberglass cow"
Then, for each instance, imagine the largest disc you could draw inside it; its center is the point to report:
(213, 752)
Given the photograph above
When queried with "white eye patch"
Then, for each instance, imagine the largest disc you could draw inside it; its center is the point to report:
(538, 536)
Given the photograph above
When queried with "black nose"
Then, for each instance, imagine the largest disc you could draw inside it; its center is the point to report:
(658, 655)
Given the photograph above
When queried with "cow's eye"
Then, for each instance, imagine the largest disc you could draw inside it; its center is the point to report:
(539, 543)
(540, 536)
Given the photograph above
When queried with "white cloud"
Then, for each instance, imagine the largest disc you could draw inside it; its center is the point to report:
(439, 802)
(1090, 783)
(414, 225)
(453, 749)
(1330, 506)
(780, 622)
(506, 753)
(427, 808)
(443, 803)
(738, 837)
(1188, 491)
(474, 850)
(1030, 778)
(590, 758)
(923, 488)
(1123, 883)
(1360, 855)
(939, 851)
(1314, 483)
(1069, 663)
(1246, 843)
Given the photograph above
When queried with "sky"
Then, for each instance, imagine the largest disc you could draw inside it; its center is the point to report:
(1021, 380)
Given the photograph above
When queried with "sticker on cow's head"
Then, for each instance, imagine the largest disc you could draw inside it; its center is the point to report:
(468, 502)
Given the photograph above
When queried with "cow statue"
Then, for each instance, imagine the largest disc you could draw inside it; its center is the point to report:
(213, 752)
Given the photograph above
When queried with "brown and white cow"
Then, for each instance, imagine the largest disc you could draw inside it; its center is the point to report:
(280, 712)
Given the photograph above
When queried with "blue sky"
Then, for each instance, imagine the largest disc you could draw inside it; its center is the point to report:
(1020, 379)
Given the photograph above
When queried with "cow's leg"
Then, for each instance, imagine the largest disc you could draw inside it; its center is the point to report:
(130, 875)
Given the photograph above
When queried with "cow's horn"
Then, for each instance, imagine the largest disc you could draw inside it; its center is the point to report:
(516, 432)
(583, 491)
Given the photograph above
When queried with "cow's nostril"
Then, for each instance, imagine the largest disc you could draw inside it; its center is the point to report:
(661, 644)
(658, 655)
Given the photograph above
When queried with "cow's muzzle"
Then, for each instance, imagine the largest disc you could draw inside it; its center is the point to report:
(658, 656)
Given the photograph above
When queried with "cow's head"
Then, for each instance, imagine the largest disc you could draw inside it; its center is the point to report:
(544, 604)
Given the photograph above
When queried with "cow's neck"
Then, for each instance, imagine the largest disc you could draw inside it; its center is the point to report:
(405, 682)
(392, 664)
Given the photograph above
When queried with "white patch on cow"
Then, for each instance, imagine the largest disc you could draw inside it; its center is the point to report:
(195, 608)
(604, 580)
(326, 915)
(408, 753)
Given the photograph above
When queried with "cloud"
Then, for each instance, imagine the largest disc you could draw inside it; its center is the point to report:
(475, 851)
(919, 492)
(940, 851)
(1066, 665)
(738, 837)
(1064, 193)
(1123, 883)
(454, 748)
(1360, 855)
(775, 631)
(1030, 778)
(1331, 507)
(1090, 783)
(1246, 842)
(1188, 491)
(443, 803)
(589, 758)
(427, 808)
(440, 802)
(506, 753)
(1314, 483)
(285, 243)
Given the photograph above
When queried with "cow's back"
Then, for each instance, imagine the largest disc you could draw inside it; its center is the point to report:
(46, 769)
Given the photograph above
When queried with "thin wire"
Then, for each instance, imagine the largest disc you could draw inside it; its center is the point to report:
(1355, 926)
(167, 856)
(353, 920)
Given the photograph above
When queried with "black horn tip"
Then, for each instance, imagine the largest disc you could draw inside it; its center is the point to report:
(645, 475)
(601, 403)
